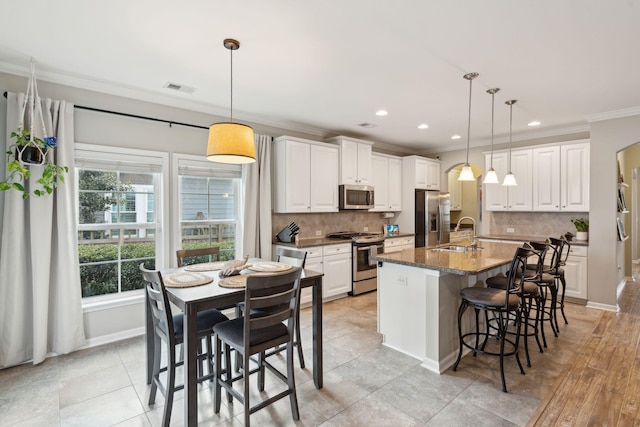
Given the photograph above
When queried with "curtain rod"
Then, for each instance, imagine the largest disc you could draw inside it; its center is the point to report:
(135, 116)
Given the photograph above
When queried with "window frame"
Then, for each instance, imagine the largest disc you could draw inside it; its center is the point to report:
(160, 160)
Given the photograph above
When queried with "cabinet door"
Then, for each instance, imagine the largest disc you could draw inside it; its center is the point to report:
(292, 176)
(433, 175)
(546, 179)
(313, 264)
(380, 183)
(575, 274)
(395, 185)
(421, 174)
(337, 275)
(348, 162)
(392, 245)
(495, 195)
(574, 178)
(364, 164)
(324, 178)
(519, 197)
(455, 190)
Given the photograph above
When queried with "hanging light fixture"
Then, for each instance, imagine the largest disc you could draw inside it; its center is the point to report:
(509, 179)
(231, 142)
(466, 174)
(492, 177)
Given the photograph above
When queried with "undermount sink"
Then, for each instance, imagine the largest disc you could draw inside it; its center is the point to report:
(454, 248)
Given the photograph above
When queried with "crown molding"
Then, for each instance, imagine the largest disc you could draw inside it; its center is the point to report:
(615, 114)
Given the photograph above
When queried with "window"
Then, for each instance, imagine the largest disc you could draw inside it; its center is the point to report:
(208, 204)
(118, 217)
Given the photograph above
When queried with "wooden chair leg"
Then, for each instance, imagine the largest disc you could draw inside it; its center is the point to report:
(218, 374)
(291, 383)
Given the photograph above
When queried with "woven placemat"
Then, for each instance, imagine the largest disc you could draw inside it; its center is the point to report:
(205, 266)
(185, 280)
(238, 281)
(270, 267)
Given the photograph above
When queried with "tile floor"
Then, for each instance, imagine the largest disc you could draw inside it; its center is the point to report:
(366, 384)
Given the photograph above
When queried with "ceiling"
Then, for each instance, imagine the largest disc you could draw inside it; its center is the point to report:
(324, 67)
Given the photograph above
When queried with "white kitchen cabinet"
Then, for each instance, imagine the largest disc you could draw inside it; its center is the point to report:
(455, 190)
(575, 272)
(574, 177)
(425, 173)
(387, 182)
(519, 197)
(561, 178)
(305, 176)
(336, 261)
(355, 160)
(398, 244)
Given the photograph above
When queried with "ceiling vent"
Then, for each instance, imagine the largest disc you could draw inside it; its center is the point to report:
(367, 125)
(179, 87)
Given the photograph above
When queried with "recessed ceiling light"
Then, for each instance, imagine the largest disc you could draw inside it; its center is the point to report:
(423, 126)
(455, 137)
(179, 87)
(534, 123)
(381, 113)
(367, 125)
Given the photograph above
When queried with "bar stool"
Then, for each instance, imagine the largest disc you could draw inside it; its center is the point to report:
(561, 249)
(547, 286)
(501, 303)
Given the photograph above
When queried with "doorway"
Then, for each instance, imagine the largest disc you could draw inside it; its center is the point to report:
(465, 196)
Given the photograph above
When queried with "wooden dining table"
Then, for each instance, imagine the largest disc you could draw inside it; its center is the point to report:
(192, 300)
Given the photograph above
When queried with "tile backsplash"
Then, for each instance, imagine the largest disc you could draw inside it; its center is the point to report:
(326, 223)
(531, 223)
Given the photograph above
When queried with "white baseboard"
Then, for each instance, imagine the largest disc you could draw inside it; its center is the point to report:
(606, 307)
(111, 338)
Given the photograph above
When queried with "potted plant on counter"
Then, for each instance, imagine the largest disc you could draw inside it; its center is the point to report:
(582, 228)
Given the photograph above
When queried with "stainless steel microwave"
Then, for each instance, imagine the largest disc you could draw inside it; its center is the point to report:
(355, 197)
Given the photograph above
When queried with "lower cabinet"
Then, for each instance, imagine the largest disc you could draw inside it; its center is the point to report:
(575, 272)
(397, 244)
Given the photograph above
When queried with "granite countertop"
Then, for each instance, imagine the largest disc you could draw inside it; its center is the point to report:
(490, 256)
(323, 241)
(518, 238)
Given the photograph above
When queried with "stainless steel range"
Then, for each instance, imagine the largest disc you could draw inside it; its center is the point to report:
(364, 272)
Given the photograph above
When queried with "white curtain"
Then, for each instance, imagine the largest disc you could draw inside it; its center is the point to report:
(40, 295)
(257, 198)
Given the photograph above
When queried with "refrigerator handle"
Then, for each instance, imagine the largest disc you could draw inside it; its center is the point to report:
(438, 228)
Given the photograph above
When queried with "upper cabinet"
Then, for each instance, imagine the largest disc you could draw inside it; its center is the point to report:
(517, 198)
(425, 172)
(387, 182)
(301, 184)
(550, 178)
(355, 160)
(455, 190)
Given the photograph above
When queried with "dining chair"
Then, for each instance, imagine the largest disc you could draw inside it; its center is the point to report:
(275, 299)
(505, 305)
(297, 258)
(197, 256)
(169, 329)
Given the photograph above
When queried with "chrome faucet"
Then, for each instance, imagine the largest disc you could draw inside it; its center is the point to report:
(474, 243)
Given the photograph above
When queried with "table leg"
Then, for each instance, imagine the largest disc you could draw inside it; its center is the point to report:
(317, 333)
(190, 366)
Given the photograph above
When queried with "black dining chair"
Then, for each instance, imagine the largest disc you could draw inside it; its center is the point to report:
(275, 298)
(196, 256)
(297, 258)
(504, 305)
(169, 329)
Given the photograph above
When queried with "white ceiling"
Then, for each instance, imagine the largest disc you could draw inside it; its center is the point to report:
(323, 67)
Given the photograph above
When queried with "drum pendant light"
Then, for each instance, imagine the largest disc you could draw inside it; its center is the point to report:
(492, 177)
(466, 174)
(509, 178)
(231, 142)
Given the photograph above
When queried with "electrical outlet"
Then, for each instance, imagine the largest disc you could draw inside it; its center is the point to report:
(318, 232)
(402, 280)
(366, 229)
(510, 230)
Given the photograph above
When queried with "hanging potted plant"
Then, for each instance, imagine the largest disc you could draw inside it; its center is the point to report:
(582, 228)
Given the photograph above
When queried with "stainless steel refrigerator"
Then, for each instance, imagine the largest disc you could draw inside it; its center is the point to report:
(433, 219)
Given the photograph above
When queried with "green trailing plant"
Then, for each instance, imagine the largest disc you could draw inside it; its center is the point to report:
(18, 173)
(581, 224)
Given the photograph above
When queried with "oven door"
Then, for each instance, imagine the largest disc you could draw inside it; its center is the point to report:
(363, 267)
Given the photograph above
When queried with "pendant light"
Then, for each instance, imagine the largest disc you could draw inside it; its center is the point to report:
(466, 174)
(231, 142)
(509, 179)
(492, 177)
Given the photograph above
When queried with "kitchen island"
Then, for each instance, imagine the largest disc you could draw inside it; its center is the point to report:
(419, 296)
